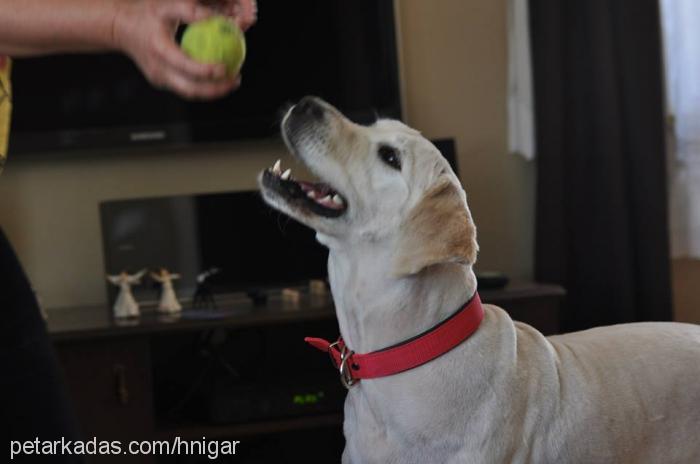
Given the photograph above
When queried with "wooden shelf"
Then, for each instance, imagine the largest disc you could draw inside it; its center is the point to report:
(87, 323)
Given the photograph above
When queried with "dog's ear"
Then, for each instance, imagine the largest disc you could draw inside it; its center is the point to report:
(438, 230)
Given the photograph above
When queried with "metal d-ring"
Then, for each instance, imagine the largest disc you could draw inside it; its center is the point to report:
(345, 354)
(345, 375)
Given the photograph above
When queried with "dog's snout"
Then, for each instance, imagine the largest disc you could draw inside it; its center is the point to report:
(308, 122)
(309, 107)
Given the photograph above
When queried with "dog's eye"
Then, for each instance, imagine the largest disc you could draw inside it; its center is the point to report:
(390, 156)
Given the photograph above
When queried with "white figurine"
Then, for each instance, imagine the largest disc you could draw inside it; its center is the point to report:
(126, 305)
(168, 299)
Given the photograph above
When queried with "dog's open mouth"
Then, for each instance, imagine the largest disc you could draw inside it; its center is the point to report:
(319, 198)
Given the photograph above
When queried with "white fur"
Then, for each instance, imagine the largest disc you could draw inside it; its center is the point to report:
(621, 394)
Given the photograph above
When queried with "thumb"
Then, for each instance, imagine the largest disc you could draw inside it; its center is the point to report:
(246, 13)
(186, 11)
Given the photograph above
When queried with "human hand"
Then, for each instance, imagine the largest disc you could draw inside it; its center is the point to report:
(145, 31)
(244, 12)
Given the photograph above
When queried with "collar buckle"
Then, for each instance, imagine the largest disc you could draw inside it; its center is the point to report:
(346, 377)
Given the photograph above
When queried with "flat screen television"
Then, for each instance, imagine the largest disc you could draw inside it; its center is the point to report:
(342, 51)
(253, 246)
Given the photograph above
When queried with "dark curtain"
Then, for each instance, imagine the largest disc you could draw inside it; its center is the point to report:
(601, 226)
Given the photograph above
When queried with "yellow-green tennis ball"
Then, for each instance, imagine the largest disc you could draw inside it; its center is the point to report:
(216, 40)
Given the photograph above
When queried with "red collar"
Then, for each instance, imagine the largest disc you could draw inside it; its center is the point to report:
(408, 354)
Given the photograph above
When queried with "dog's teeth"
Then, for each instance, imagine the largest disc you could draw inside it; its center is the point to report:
(285, 175)
(311, 194)
(325, 199)
(277, 168)
(337, 200)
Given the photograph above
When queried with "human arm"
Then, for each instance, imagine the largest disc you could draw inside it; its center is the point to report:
(142, 29)
(34, 27)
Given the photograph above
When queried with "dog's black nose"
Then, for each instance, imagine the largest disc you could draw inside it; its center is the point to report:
(309, 107)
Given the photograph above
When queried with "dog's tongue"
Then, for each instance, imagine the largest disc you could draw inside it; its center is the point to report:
(320, 188)
(322, 194)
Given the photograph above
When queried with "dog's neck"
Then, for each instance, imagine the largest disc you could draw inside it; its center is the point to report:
(377, 309)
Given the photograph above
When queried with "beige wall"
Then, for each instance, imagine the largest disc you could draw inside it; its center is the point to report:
(49, 209)
(455, 74)
(454, 63)
(686, 290)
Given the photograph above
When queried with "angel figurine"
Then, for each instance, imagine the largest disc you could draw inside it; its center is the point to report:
(126, 305)
(168, 299)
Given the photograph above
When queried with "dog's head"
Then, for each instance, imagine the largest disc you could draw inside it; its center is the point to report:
(383, 183)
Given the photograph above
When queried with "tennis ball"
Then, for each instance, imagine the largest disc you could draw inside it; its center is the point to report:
(216, 40)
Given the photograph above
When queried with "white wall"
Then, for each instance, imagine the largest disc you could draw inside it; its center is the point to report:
(454, 76)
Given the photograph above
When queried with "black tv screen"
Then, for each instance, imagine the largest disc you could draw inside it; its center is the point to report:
(253, 246)
(342, 51)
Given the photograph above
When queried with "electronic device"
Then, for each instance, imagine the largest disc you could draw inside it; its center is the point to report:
(253, 246)
(298, 397)
(491, 280)
(344, 52)
(248, 374)
(448, 148)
